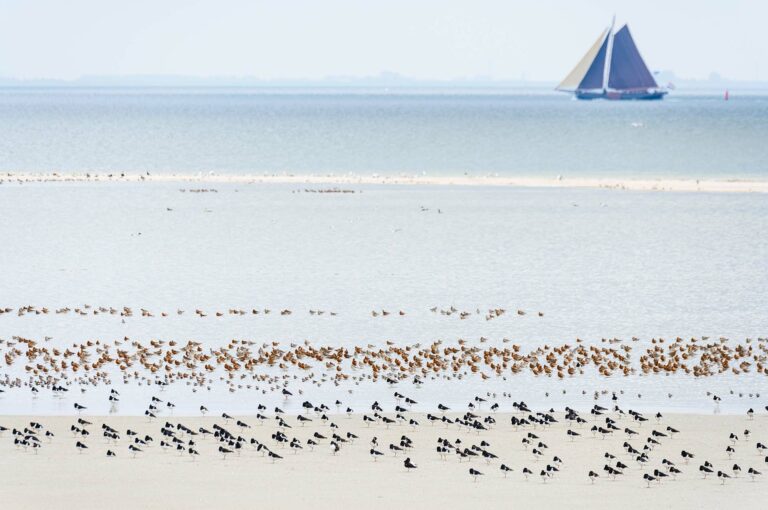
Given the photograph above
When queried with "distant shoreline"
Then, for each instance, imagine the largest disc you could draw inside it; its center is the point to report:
(647, 184)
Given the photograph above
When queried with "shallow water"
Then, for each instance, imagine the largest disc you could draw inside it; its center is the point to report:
(597, 263)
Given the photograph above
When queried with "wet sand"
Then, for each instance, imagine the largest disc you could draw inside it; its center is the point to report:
(57, 476)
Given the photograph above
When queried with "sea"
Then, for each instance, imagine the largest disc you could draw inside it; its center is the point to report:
(597, 263)
(434, 132)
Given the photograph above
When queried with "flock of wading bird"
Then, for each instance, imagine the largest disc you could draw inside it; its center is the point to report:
(269, 366)
(126, 312)
(647, 452)
(461, 437)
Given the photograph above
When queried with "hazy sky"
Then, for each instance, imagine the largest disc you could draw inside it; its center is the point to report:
(430, 39)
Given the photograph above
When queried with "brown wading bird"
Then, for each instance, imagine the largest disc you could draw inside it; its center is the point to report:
(246, 364)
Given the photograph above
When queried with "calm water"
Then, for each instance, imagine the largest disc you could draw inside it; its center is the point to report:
(534, 133)
(598, 263)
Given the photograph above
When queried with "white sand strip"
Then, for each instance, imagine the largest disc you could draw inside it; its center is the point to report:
(676, 185)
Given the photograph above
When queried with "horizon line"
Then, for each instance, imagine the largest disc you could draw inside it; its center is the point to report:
(384, 78)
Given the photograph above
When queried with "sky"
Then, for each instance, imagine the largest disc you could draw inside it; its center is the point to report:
(538, 40)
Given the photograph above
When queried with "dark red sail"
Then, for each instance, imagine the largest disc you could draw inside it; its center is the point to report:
(628, 71)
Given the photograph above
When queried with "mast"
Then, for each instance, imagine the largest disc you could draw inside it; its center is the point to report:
(607, 67)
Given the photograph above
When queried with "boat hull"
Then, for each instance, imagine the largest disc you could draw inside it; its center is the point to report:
(619, 95)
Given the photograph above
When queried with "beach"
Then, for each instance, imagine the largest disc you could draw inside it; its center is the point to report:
(57, 476)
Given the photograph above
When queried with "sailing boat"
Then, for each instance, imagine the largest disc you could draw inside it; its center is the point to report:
(612, 69)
